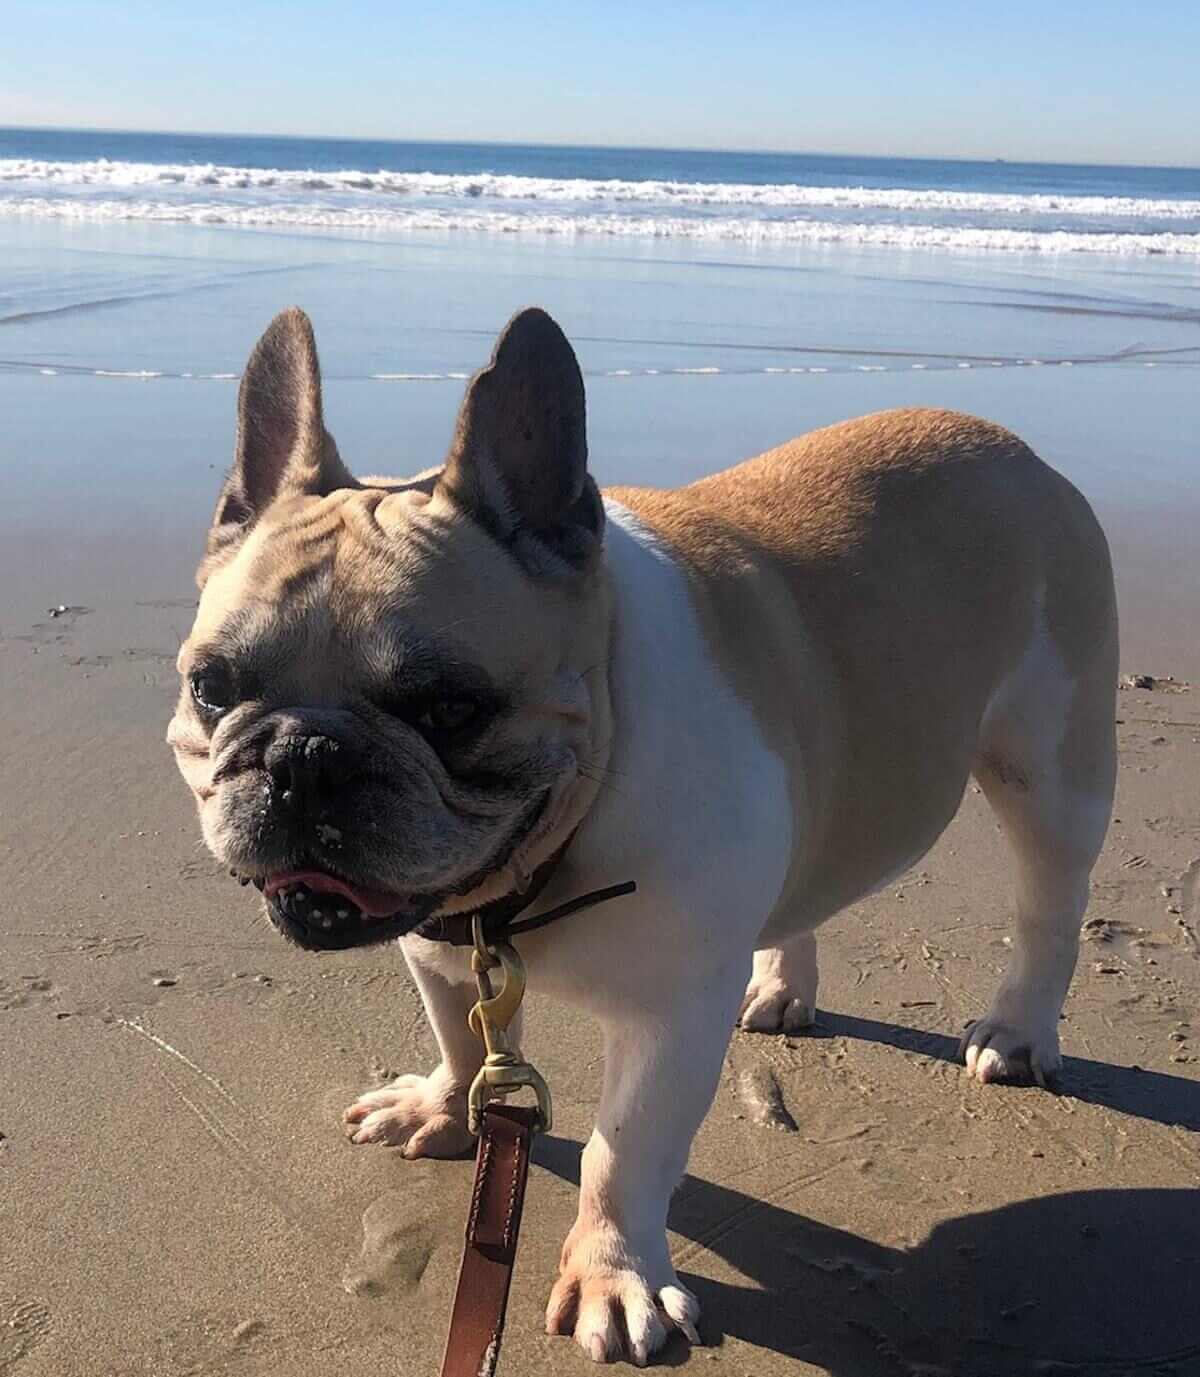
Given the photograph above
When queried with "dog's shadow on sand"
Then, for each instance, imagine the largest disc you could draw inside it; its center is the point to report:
(1103, 1282)
(1150, 1095)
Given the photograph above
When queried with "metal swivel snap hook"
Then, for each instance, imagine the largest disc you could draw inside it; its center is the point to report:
(503, 1070)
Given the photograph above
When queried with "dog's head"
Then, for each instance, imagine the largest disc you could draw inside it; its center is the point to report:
(394, 697)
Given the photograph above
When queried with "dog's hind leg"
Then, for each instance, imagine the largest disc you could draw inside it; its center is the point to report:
(1047, 763)
(782, 993)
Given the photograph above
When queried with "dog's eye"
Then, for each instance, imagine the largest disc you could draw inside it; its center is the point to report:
(213, 687)
(448, 714)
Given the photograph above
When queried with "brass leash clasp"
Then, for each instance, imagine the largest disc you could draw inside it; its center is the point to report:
(503, 1069)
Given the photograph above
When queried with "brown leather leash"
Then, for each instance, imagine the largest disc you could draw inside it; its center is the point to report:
(493, 1225)
(505, 1131)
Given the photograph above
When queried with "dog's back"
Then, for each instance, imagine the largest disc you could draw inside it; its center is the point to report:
(868, 588)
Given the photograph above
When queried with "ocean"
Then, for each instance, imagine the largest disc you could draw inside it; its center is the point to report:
(719, 303)
(630, 193)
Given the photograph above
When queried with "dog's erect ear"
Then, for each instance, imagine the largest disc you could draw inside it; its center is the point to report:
(518, 462)
(283, 448)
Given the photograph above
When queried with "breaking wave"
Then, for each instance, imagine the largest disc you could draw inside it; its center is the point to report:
(493, 203)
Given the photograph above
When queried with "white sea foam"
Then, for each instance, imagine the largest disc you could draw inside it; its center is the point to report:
(619, 374)
(209, 177)
(488, 203)
(724, 228)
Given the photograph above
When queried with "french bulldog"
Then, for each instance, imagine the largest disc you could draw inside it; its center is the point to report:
(761, 696)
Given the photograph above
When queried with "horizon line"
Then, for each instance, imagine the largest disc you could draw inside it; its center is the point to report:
(599, 147)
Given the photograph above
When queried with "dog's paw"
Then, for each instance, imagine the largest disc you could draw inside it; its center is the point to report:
(999, 1049)
(782, 994)
(773, 1007)
(426, 1116)
(606, 1300)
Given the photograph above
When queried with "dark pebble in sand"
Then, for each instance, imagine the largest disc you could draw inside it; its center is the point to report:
(1138, 681)
(163, 981)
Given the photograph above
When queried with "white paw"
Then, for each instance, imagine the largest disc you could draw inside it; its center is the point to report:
(605, 1298)
(774, 1009)
(999, 1049)
(426, 1116)
(782, 993)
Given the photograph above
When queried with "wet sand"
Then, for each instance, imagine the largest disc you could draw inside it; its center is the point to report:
(177, 1195)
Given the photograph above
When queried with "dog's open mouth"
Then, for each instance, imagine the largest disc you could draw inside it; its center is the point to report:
(333, 896)
(322, 911)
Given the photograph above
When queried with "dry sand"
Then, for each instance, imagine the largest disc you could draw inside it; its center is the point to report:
(176, 1195)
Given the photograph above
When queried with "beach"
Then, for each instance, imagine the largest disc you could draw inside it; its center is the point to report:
(176, 1191)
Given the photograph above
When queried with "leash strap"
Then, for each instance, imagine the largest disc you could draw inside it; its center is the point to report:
(542, 920)
(505, 1131)
(501, 1168)
(501, 923)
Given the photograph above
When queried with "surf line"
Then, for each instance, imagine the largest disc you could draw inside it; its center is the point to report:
(143, 375)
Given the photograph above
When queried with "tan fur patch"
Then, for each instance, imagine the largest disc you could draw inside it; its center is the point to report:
(865, 588)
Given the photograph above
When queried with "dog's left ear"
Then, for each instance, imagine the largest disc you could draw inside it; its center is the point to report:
(283, 448)
(518, 462)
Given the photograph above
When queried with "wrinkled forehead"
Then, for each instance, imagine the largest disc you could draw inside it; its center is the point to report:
(373, 575)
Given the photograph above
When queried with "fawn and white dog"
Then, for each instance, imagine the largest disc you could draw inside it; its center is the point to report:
(402, 696)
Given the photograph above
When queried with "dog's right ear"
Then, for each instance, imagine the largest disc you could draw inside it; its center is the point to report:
(283, 448)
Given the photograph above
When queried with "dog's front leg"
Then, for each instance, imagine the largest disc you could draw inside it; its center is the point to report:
(617, 1292)
(427, 1115)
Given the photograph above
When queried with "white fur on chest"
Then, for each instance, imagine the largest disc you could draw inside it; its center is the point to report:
(695, 806)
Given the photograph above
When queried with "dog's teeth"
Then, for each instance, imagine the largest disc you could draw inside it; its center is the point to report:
(317, 913)
(343, 913)
(327, 922)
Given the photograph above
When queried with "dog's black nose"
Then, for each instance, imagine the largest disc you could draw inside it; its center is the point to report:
(306, 771)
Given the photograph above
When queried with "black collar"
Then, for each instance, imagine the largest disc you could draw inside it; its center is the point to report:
(500, 915)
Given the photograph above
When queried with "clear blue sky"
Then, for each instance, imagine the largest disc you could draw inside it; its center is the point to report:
(1020, 79)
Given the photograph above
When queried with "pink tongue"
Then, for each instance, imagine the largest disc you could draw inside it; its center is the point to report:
(375, 903)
